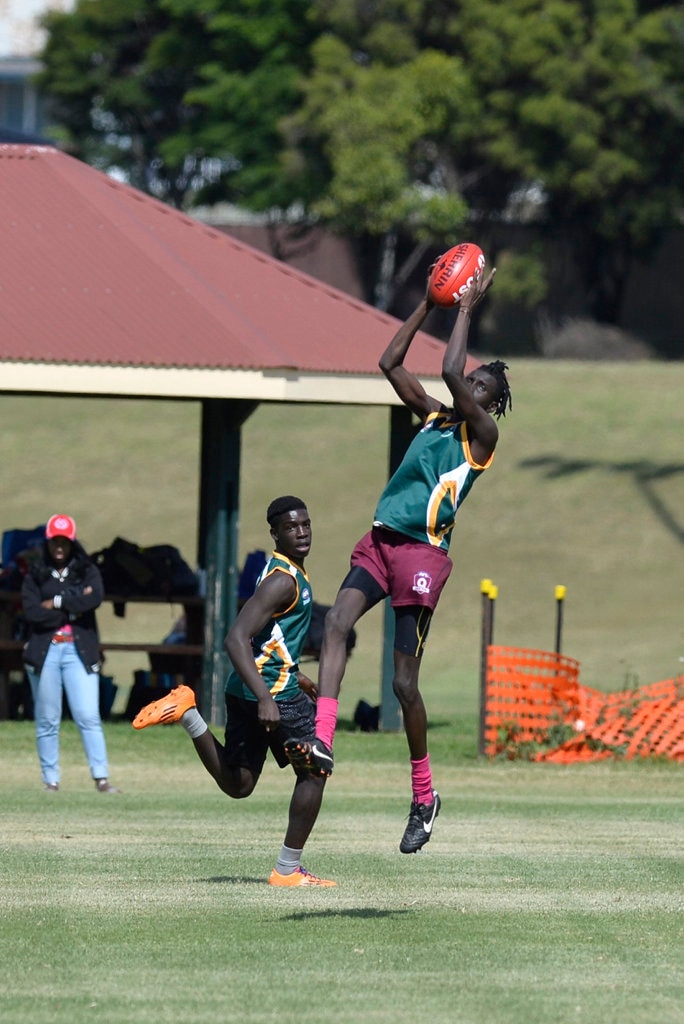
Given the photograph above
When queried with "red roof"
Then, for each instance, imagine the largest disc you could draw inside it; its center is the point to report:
(95, 272)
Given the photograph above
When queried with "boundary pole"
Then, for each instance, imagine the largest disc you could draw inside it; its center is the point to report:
(560, 593)
(489, 592)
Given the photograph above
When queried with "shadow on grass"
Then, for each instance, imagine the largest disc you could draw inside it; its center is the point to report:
(347, 725)
(645, 474)
(234, 880)
(367, 913)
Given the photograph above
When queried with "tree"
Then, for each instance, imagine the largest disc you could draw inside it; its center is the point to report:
(116, 73)
(589, 108)
(381, 133)
(184, 99)
(247, 81)
(572, 110)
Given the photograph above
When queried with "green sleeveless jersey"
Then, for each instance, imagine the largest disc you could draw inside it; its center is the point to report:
(435, 476)
(278, 647)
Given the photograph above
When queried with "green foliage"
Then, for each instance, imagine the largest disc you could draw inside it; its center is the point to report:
(116, 73)
(521, 278)
(382, 133)
(381, 129)
(587, 102)
(582, 102)
(185, 102)
(510, 746)
(248, 82)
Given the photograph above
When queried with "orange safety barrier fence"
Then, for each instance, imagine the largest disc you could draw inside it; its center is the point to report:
(537, 710)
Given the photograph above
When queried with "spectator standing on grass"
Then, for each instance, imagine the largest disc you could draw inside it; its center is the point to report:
(268, 700)
(62, 654)
(405, 556)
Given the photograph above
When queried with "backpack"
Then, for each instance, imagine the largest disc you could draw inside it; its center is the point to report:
(155, 571)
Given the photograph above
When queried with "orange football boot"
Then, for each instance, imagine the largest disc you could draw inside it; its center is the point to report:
(167, 709)
(300, 876)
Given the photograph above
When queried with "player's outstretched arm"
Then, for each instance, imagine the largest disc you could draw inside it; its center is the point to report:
(406, 384)
(467, 392)
(454, 360)
(273, 594)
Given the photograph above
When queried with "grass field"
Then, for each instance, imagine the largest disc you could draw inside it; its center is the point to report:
(587, 490)
(547, 895)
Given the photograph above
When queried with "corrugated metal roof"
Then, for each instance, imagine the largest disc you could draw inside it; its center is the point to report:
(94, 272)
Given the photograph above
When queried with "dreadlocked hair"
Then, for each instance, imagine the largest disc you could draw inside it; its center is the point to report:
(504, 399)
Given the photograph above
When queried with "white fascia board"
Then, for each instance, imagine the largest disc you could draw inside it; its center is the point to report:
(168, 382)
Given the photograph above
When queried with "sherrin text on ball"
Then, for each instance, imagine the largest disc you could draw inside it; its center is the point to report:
(453, 273)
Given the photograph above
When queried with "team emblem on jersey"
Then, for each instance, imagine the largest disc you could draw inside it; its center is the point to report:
(306, 595)
(422, 582)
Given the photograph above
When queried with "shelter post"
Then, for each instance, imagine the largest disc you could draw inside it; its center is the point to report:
(402, 432)
(217, 548)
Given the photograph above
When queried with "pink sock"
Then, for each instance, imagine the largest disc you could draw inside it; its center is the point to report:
(421, 780)
(326, 719)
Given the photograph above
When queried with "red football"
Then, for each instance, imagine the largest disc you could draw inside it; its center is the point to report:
(453, 273)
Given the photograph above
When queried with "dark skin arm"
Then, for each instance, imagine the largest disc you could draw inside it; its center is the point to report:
(308, 686)
(406, 384)
(483, 432)
(482, 429)
(273, 595)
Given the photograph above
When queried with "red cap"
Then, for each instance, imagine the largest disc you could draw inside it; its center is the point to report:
(61, 526)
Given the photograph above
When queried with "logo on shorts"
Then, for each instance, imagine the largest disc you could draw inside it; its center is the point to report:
(422, 582)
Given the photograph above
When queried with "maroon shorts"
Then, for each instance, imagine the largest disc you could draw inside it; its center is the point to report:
(412, 573)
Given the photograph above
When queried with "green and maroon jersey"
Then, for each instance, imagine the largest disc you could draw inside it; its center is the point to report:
(435, 476)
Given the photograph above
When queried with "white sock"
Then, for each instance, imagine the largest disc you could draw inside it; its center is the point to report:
(193, 723)
(288, 860)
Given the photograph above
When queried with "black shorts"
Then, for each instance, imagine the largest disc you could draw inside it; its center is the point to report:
(411, 622)
(247, 742)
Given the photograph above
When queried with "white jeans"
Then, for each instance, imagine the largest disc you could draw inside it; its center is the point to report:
(63, 669)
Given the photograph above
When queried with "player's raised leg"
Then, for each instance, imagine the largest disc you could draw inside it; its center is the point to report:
(351, 603)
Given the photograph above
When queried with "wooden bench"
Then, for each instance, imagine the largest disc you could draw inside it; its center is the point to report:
(172, 649)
